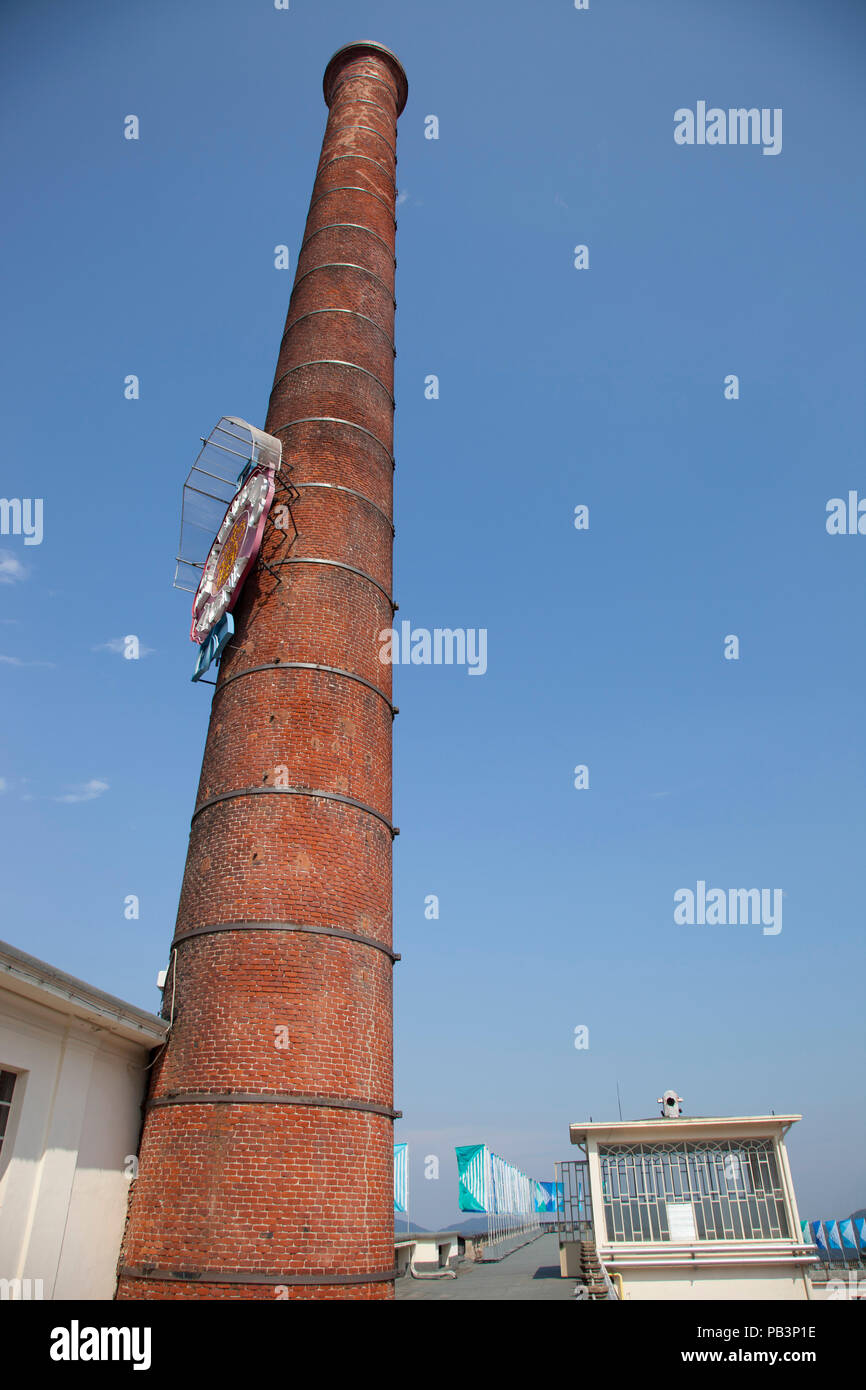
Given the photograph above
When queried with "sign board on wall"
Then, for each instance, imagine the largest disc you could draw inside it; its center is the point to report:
(226, 500)
(681, 1222)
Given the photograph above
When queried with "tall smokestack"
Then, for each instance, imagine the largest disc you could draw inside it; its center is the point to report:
(266, 1157)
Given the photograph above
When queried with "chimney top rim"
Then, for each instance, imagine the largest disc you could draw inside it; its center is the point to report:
(360, 45)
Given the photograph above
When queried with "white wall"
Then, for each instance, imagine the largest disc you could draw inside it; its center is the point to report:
(75, 1117)
(736, 1282)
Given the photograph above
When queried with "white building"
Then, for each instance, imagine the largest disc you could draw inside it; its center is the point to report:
(73, 1071)
(691, 1208)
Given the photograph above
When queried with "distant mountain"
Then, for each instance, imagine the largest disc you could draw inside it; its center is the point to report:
(474, 1225)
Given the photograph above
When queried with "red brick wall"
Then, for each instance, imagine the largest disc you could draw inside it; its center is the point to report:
(296, 1190)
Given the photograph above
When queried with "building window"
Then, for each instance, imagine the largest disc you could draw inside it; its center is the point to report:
(724, 1190)
(7, 1086)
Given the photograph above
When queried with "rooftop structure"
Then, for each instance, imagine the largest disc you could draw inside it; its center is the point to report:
(688, 1207)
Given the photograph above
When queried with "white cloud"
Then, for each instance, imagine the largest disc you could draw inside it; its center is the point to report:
(16, 661)
(11, 568)
(87, 791)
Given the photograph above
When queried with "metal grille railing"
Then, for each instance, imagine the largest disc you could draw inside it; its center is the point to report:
(733, 1189)
(574, 1204)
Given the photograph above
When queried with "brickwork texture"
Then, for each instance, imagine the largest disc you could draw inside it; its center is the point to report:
(267, 1144)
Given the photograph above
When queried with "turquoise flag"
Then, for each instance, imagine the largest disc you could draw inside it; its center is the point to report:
(401, 1177)
(846, 1232)
(548, 1196)
(473, 1187)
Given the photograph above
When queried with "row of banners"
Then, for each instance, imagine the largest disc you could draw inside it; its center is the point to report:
(486, 1183)
(841, 1236)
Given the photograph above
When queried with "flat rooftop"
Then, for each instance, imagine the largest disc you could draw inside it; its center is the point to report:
(530, 1274)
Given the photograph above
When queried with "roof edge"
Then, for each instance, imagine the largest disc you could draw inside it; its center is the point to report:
(694, 1122)
(36, 979)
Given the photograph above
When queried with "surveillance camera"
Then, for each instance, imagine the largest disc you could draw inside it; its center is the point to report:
(670, 1103)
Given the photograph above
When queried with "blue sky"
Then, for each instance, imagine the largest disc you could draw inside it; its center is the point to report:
(558, 387)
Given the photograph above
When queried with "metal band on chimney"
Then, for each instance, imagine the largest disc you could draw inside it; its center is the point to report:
(335, 420)
(341, 933)
(345, 265)
(341, 129)
(311, 313)
(361, 77)
(365, 101)
(251, 1276)
(305, 666)
(356, 226)
(295, 791)
(366, 157)
(352, 492)
(274, 1098)
(332, 362)
(351, 188)
(336, 564)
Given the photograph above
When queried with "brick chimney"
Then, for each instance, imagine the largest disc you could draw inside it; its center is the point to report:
(266, 1156)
